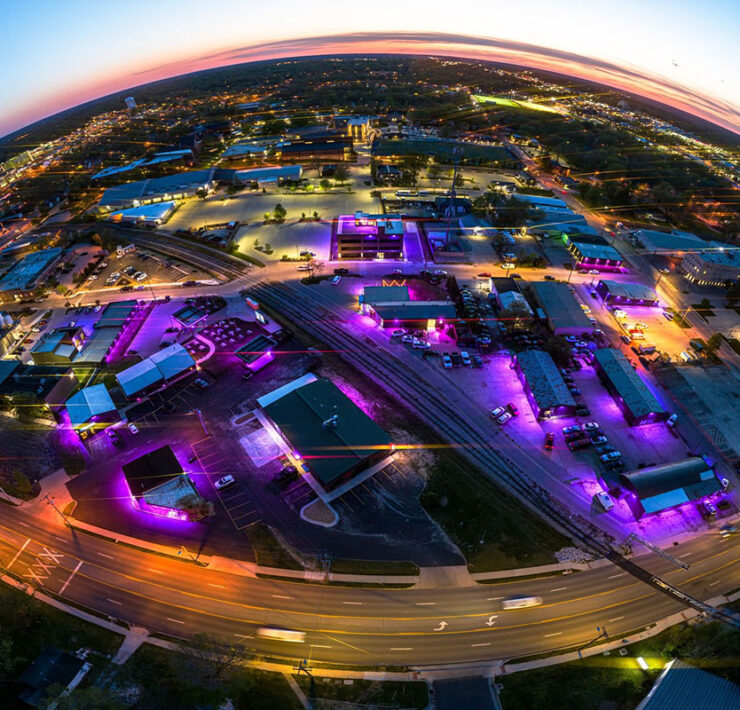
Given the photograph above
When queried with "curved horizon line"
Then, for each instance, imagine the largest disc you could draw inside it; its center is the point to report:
(620, 77)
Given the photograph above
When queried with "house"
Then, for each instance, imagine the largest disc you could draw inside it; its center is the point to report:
(53, 667)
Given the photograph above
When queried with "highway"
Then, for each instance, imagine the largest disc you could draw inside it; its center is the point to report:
(352, 625)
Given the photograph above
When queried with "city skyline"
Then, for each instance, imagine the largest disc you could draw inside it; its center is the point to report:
(70, 61)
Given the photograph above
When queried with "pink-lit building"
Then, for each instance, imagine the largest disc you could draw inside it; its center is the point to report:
(369, 236)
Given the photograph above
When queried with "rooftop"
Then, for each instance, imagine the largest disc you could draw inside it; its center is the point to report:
(725, 257)
(163, 365)
(25, 271)
(116, 314)
(416, 310)
(51, 667)
(159, 211)
(630, 291)
(560, 306)
(146, 473)
(152, 187)
(544, 379)
(88, 403)
(285, 172)
(595, 251)
(386, 294)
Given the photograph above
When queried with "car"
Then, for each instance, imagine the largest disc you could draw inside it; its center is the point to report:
(611, 456)
(667, 315)
(571, 338)
(641, 326)
(335, 280)
(35, 329)
(224, 482)
(515, 276)
(578, 444)
(605, 500)
(341, 271)
(671, 421)
(304, 267)
(549, 441)
(568, 379)
(398, 271)
(597, 440)
(707, 508)
(594, 272)
(496, 413)
(603, 448)
(583, 411)
(420, 345)
(727, 530)
(663, 270)
(446, 361)
(465, 358)
(398, 333)
(201, 383)
(484, 275)
(513, 410)
(572, 429)
(407, 338)
(456, 359)
(440, 272)
(574, 391)
(591, 426)
(574, 435)
(594, 294)
(132, 428)
(502, 419)
(114, 437)
(477, 361)
(549, 277)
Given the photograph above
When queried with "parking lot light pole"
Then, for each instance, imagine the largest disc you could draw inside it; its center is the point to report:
(202, 421)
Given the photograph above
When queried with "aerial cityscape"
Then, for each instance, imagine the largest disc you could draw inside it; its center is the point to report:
(368, 369)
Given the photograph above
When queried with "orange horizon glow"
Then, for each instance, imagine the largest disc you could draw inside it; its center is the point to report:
(619, 77)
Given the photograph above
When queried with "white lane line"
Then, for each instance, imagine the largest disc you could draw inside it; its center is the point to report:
(113, 601)
(403, 648)
(475, 645)
(280, 596)
(493, 599)
(614, 576)
(558, 633)
(353, 603)
(176, 621)
(60, 538)
(425, 603)
(320, 645)
(559, 589)
(686, 554)
(18, 554)
(157, 571)
(102, 554)
(244, 636)
(616, 618)
(711, 584)
(25, 525)
(219, 586)
(69, 579)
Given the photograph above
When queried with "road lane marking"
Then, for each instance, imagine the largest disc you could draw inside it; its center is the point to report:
(220, 586)
(711, 584)
(559, 589)
(353, 603)
(18, 554)
(102, 554)
(25, 525)
(425, 603)
(493, 599)
(60, 538)
(244, 636)
(475, 645)
(402, 648)
(318, 645)
(686, 554)
(69, 579)
(614, 576)
(280, 596)
(113, 601)
(616, 618)
(157, 571)
(176, 621)
(557, 633)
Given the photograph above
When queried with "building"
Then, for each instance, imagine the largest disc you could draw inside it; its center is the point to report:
(158, 485)
(387, 174)
(658, 488)
(167, 188)
(91, 408)
(392, 307)
(44, 386)
(592, 252)
(130, 102)
(151, 214)
(453, 206)
(331, 147)
(683, 686)
(368, 236)
(155, 372)
(58, 347)
(358, 127)
(168, 156)
(25, 275)
(616, 293)
(332, 438)
(712, 268)
(544, 203)
(563, 313)
(53, 667)
(257, 353)
(638, 404)
(265, 177)
(514, 299)
(544, 386)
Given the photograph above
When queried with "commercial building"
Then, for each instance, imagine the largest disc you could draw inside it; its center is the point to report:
(392, 307)
(544, 386)
(257, 353)
(513, 299)
(712, 268)
(620, 294)
(592, 252)
(58, 347)
(563, 313)
(387, 174)
(543, 203)
(152, 214)
(163, 157)
(28, 273)
(167, 188)
(657, 488)
(369, 236)
(91, 408)
(156, 371)
(638, 404)
(331, 147)
(358, 127)
(45, 386)
(332, 438)
(263, 177)
(158, 485)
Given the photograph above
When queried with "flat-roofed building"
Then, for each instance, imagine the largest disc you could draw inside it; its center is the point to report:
(638, 404)
(331, 147)
(267, 176)
(45, 386)
(150, 214)
(626, 294)
(544, 386)
(257, 352)
(594, 253)
(58, 347)
(392, 307)
(563, 313)
(333, 439)
(369, 236)
(25, 275)
(712, 268)
(656, 488)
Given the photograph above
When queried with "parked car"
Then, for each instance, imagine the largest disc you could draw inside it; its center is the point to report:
(496, 413)
(671, 421)
(604, 448)
(399, 332)
(477, 361)
(598, 440)
(114, 437)
(503, 418)
(512, 409)
(572, 429)
(456, 359)
(574, 435)
(549, 441)
(549, 277)
(591, 426)
(407, 338)
(611, 456)
(446, 361)
(224, 482)
(465, 358)
(583, 412)
(132, 428)
(578, 444)
(200, 382)
(605, 500)
(707, 508)
(420, 345)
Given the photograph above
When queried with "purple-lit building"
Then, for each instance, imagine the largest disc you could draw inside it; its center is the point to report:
(91, 408)
(616, 293)
(257, 353)
(392, 307)
(593, 252)
(369, 236)
(544, 386)
(158, 485)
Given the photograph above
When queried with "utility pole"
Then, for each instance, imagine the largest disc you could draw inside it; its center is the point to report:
(456, 153)
(50, 502)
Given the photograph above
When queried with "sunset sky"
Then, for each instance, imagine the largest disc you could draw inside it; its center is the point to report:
(58, 54)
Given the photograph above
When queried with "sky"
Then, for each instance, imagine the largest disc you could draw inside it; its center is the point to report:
(55, 55)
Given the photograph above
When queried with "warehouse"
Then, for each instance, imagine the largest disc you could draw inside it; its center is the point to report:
(626, 294)
(563, 313)
(154, 214)
(658, 488)
(638, 404)
(332, 147)
(28, 273)
(544, 386)
(333, 439)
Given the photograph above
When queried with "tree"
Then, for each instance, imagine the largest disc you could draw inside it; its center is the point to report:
(517, 316)
(88, 698)
(341, 173)
(324, 184)
(315, 215)
(201, 193)
(280, 212)
(314, 267)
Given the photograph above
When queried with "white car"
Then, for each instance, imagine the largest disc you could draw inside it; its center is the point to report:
(408, 339)
(465, 358)
(440, 272)
(591, 426)
(605, 499)
(398, 333)
(504, 418)
(594, 272)
(420, 345)
(496, 413)
(671, 421)
(132, 428)
(224, 482)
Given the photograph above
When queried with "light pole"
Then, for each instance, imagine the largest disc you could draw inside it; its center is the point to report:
(202, 421)
(50, 502)
(185, 550)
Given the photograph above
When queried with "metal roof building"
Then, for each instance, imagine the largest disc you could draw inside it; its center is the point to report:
(544, 386)
(657, 488)
(638, 404)
(627, 294)
(332, 436)
(564, 313)
(132, 194)
(161, 367)
(89, 402)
